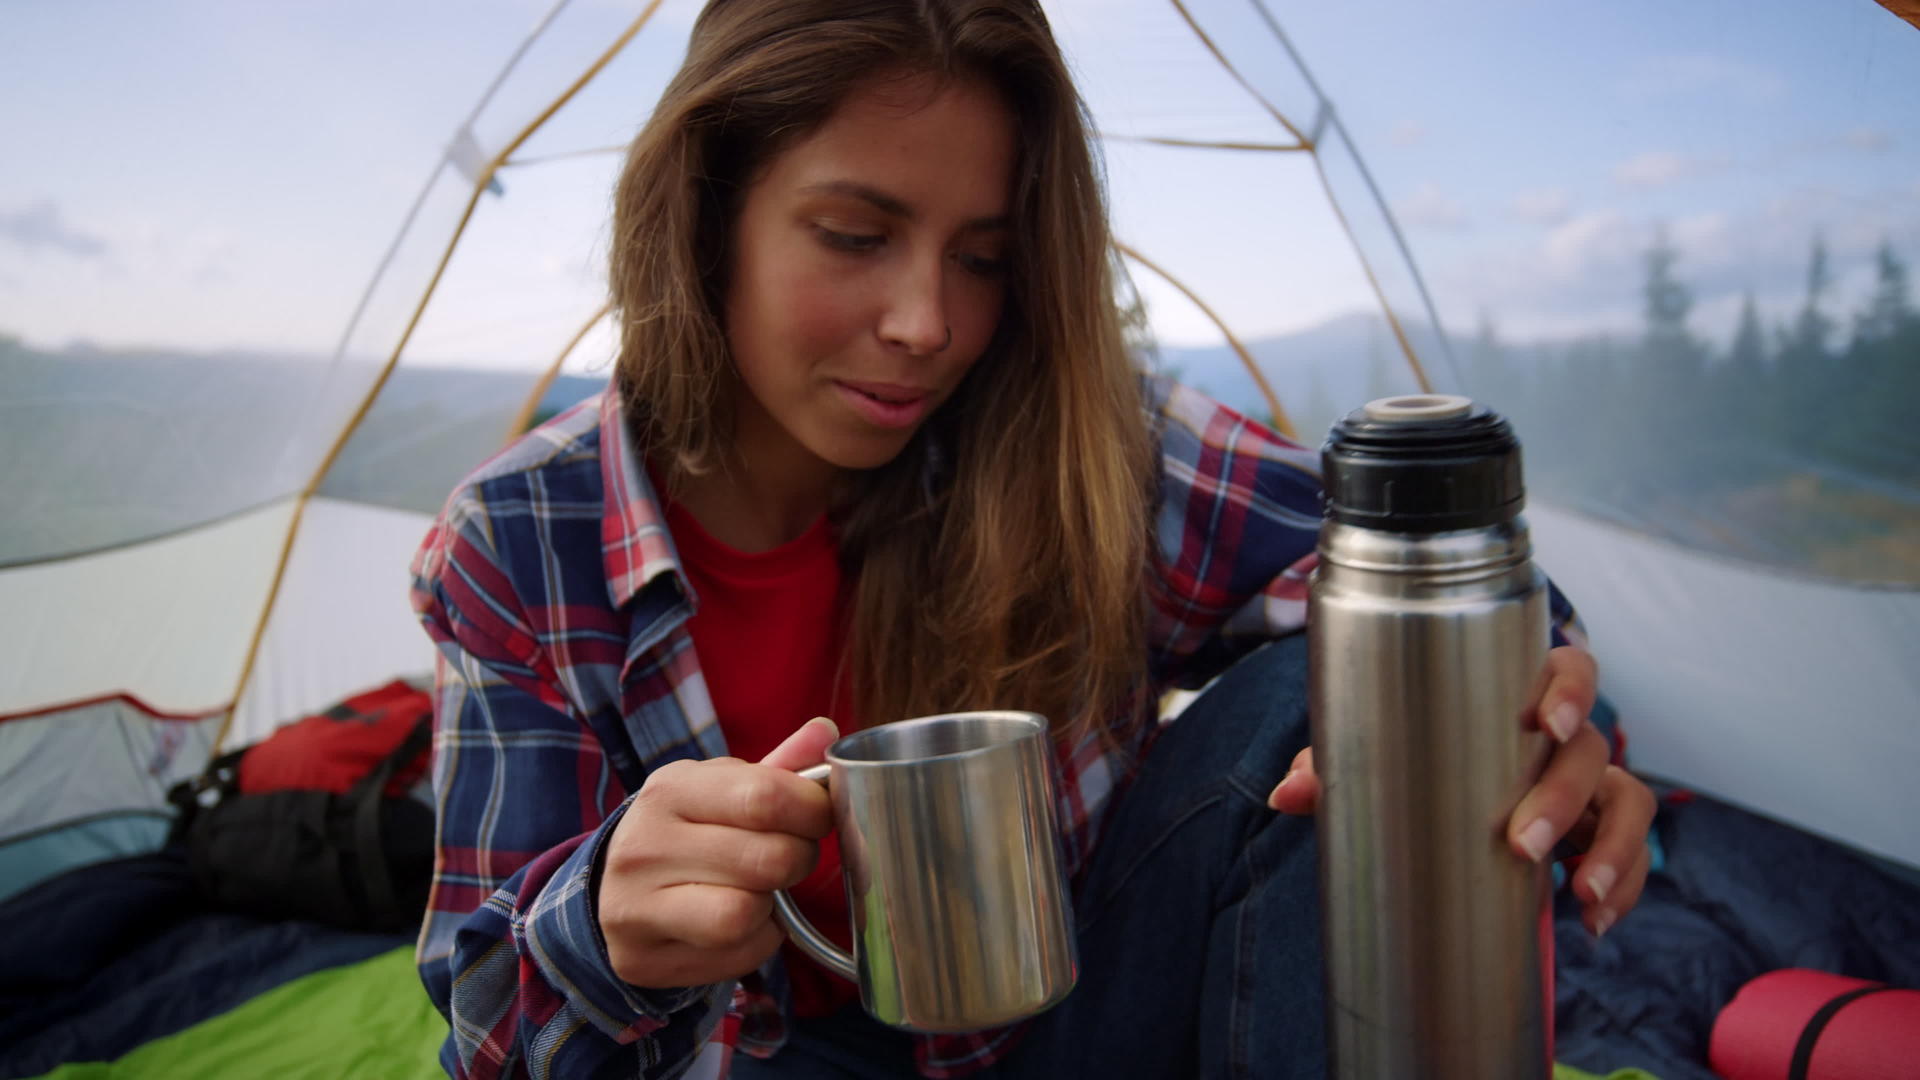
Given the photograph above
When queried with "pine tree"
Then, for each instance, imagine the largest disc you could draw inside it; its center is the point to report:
(1747, 398)
(1883, 380)
(1666, 378)
(1667, 301)
(1813, 327)
(1891, 307)
(1669, 353)
(1748, 356)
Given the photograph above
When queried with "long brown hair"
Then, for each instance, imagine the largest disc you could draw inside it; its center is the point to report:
(999, 561)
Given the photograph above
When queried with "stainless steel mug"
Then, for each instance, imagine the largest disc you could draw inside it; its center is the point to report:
(1427, 637)
(950, 850)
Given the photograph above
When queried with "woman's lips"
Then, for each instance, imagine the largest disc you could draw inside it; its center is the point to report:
(888, 405)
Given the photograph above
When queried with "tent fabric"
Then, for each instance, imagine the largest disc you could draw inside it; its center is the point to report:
(1751, 684)
(341, 622)
(107, 448)
(88, 782)
(166, 621)
(429, 428)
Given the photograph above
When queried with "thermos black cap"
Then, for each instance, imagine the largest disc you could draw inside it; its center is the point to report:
(1422, 463)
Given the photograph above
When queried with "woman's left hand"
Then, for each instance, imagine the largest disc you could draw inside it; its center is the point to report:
(1579, 795)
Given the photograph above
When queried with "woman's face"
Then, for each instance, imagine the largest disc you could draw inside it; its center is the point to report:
(868, 270)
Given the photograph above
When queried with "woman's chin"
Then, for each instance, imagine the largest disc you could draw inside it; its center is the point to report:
(865, 454)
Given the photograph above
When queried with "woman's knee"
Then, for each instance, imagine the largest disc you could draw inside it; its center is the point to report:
(1248, 723)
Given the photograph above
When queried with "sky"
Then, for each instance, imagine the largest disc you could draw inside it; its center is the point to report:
(1532, 150)
(225, 176)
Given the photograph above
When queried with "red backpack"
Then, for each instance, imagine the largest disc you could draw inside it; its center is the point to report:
(332, 750)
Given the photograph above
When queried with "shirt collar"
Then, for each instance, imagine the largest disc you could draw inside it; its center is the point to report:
(635, 546)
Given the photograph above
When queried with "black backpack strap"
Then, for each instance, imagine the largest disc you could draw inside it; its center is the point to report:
(365, 797)
(215, 784)
(410, 747)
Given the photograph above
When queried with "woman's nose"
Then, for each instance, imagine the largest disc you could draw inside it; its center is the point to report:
(915, 318)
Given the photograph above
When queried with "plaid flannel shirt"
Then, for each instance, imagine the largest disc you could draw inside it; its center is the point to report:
(566, 673)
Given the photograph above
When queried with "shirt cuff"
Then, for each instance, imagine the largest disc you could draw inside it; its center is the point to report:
(563, 937)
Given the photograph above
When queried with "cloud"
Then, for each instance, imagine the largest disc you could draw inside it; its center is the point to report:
(1584, 274)
(1703, 75)
(1860, 140)
(1408, 134)
(1657, 168)
(1429, 207)
(1707, 238)
(1611, 244)
(1600, 242)
(41, 226)
(1870, 140)
(1541, 206)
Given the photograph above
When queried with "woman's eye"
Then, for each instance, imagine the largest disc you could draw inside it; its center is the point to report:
(987, 266)
(845, 241)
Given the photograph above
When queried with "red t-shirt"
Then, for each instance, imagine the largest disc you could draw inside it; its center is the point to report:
(769, 636)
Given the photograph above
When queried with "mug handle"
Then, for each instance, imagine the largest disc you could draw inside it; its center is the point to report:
(811, 941)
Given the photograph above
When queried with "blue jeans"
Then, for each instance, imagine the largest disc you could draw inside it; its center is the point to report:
(1199, 918)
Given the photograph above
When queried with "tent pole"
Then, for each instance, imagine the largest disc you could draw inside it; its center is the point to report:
(524, 418)
(1194, 25)
(1279, 415)
(1311, 145)
(480, 185)
(1366, 267)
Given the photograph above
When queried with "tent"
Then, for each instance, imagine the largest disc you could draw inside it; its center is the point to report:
(269, 289)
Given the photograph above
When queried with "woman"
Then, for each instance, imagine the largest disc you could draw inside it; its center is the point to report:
(874, 449)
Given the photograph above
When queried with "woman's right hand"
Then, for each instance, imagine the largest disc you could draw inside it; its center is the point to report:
(686, 890)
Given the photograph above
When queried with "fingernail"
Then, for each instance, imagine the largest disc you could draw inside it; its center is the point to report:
(1274, 795)
(1564, 721)
(1600, 881)
(1602, 922)
(1537, 839)
(832, 727)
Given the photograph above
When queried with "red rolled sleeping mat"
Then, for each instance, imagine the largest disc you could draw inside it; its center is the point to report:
(1808, 1025)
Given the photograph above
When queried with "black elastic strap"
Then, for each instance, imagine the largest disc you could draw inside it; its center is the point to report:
(366, 797)
(373, 855)
(1810, 1035)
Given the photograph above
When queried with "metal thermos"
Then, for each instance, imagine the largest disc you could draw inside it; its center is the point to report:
(1428, 633)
